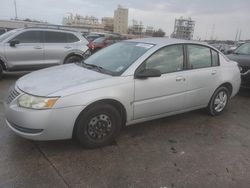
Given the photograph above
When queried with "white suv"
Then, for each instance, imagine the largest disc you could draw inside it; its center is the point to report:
(29, 49)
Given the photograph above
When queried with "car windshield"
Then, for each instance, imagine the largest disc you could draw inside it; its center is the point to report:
(243, 49)
(7, 35)
(92, 37)
(118, 57)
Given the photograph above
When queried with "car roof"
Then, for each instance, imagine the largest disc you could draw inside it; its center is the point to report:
(49, 29)
(162, 41)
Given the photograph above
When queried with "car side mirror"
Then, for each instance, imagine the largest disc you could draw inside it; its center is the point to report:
(14, 42)
(146, 73)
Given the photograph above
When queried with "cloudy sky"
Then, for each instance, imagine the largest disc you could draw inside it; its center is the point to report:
(227, 16)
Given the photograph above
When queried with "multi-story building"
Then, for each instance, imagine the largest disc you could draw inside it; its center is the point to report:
(108, 23)
(183, 28)
(137, 28)
(149, 31)
(121, 20)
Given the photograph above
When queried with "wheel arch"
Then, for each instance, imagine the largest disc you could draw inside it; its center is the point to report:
(115, 103)
(3, 64)
(228, 85)
(71, 54)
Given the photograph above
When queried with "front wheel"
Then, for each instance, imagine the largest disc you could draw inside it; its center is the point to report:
(219, 101)
(98, 126)
(73, 59)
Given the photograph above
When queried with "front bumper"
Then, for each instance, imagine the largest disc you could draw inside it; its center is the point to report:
(52, 124)
(245, 80)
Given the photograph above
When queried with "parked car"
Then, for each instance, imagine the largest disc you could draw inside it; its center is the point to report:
(242, 56)
(103, 42)
(224, 48)
(126, 83)
(92, 37)
(35, 48)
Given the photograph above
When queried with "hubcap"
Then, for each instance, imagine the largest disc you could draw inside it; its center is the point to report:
(220, 101)
(99, 127)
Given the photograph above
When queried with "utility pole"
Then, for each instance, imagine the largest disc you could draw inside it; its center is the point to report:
(236, 36)
(239, 35)
(15, 10)
(212, 32)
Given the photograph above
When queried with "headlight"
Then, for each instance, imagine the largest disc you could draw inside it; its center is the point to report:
(39, 103)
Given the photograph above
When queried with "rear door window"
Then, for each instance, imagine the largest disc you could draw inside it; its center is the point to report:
(199, 56)
(55, 37)
(215, 58)
(71, 38)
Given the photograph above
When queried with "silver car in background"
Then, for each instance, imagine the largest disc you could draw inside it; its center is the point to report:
(29, 49)
(126, 83)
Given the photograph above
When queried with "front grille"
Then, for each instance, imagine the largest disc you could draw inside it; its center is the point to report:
(244, 69)
(13, 93)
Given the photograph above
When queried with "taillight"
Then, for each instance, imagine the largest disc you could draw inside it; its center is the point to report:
(240, 68)
(91, 45)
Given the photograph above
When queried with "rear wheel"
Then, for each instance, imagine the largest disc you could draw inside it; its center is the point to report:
(1, 71)
(219, 101)
(98, 126)
(73, 59)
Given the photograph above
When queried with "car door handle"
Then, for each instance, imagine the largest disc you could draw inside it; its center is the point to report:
(180, 78)
(38, 47)
(67, 47)
(214, 72)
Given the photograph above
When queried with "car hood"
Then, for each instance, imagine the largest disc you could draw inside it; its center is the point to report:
(48, 81)
(243, 60)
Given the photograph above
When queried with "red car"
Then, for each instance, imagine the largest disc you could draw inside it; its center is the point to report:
(102, 42)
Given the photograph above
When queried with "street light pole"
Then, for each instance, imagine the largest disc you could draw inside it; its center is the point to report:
(15, 10)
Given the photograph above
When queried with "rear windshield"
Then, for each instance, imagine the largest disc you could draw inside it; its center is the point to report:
(99, 40)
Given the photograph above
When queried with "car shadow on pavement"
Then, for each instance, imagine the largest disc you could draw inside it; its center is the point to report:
(244, 92)
(145, 131)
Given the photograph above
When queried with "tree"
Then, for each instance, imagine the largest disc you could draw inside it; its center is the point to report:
(158, 33)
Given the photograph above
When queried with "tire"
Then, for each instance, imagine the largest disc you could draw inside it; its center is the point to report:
(1, 71)
(73, 59)
(219, 101)
(98, 126)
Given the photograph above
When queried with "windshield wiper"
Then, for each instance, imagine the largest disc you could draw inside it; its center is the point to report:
(237, 53)
(91, 66)
(97, 68)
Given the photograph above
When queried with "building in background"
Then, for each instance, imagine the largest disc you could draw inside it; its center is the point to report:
(121, 20)
(108, 23)
(183, 28)
(80, 20)
(149, 31)
(137, 28)
(90, 22)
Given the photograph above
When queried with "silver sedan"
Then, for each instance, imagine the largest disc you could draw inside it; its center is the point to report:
(126, 83)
